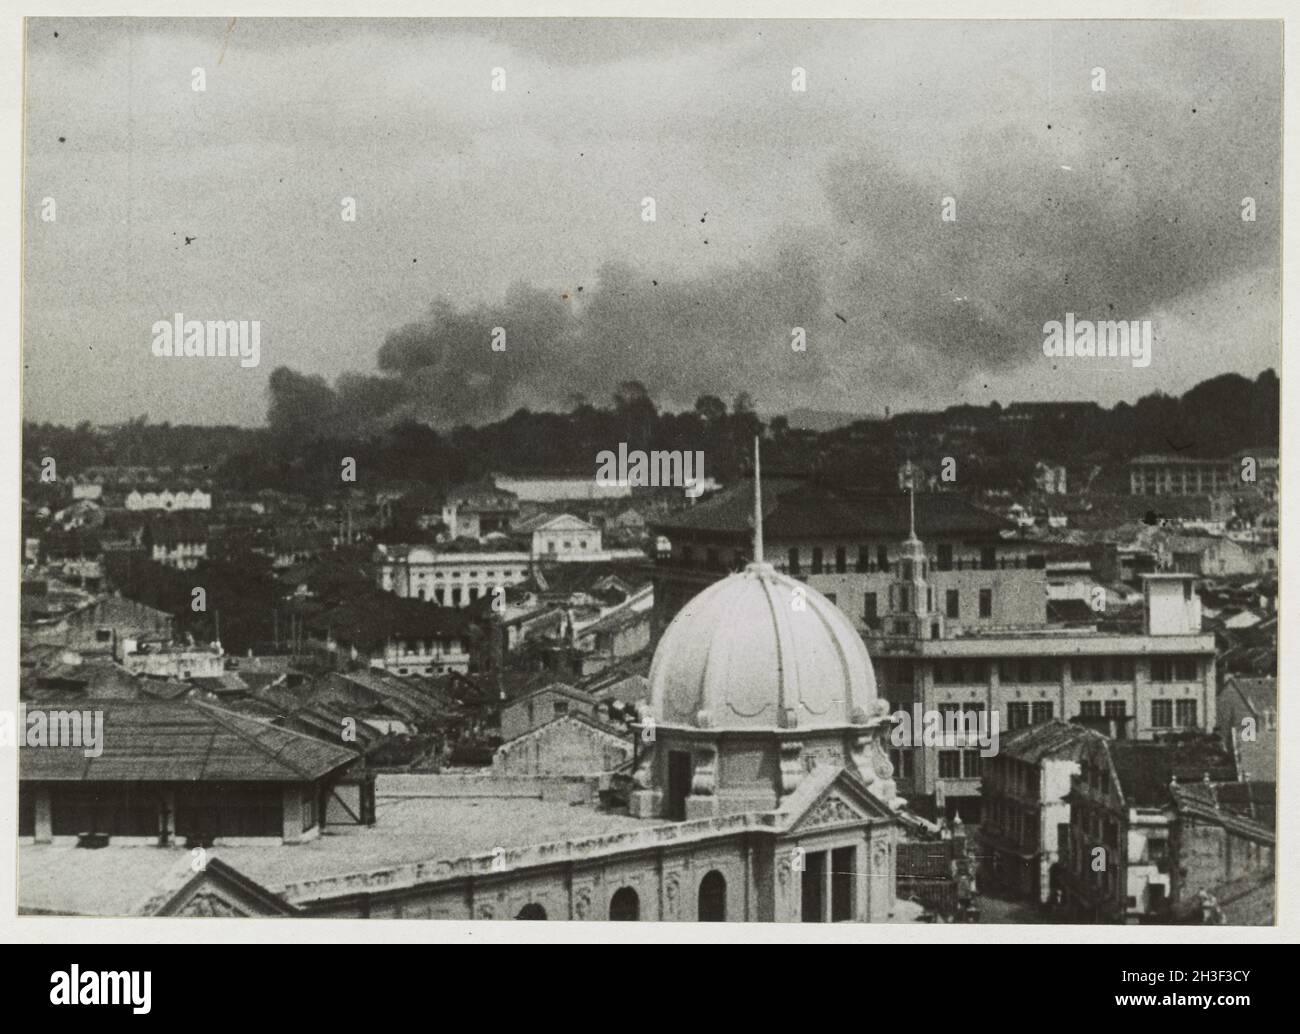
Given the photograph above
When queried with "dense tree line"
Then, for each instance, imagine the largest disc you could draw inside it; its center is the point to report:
(301, 449)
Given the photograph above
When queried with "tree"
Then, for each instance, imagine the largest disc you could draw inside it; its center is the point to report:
(710, 408)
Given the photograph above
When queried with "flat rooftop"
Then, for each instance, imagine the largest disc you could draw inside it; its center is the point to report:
(409, 830)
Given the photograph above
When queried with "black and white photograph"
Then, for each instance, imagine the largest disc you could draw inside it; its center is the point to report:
(649, 470)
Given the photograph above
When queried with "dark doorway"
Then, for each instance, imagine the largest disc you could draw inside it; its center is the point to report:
(814, 886)
(679, 783)
(842, 875)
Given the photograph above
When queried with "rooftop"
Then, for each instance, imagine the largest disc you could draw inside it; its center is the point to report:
(182, 741)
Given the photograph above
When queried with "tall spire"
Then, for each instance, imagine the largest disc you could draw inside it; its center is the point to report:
(911, 502)
(758, 507)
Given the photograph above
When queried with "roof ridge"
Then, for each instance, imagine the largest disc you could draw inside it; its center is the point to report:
(222, 715)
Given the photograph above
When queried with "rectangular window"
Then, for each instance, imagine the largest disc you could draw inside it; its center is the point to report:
(1041, 711)
(1185, 714)
(1090, 709)
(950, 764)
(870, 610)
(1017, 715)
(841, 559)
(1174, 669)
(902, 762)
(1116, 709)
(952, 602)
(986, 603)
(817, 560)
(794, 560)
(970, 764)
(864, 558)
(944, 561)
(1162, 714)
(561, 708)
(882, 558)
(988, 558)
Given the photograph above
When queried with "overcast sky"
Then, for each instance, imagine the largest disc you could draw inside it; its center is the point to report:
(522, 208)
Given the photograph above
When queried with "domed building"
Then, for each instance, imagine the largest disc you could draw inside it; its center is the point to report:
(757, 681)
(763, 792)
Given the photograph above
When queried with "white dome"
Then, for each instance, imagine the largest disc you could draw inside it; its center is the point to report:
(744, 654)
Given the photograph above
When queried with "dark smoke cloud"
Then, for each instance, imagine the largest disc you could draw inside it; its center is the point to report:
(1121, 207)
(718, 334)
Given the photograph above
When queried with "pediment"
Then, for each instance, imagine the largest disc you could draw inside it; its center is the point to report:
(840, 800)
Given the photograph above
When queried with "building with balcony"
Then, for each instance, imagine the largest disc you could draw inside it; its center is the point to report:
(1156, 827)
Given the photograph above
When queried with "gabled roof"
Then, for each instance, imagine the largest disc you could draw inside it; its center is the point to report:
(1258, 694)
(1230, 805)
(559, 688)
(183, 741)
(830, 794)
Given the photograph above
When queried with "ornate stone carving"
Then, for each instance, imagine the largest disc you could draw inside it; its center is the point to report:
(672, 895)
(644, 772)
(792, 771)
(829, 811)
(705, 775)
(863, 761)
(582, 903)
(206, 903)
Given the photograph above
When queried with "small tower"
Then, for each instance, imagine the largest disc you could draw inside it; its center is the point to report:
(911, 607)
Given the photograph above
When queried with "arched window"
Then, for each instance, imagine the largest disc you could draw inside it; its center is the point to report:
(532, 911)
(625, 906)
(713, 898)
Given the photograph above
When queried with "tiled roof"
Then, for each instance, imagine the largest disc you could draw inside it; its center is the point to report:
(184, 741)
(1055, 739)
(1146, 768)
(793, 510)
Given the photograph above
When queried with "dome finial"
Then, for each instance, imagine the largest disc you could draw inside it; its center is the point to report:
(758, 507)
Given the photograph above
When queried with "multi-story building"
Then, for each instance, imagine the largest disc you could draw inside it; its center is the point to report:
(1154, 474)
(1026, 811)
(1130, 847)
(814, 530)
(960, 624)
(399, 635)
(450, 575)
(1152, 679)
(561, 536)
